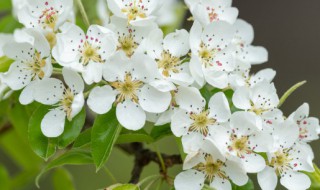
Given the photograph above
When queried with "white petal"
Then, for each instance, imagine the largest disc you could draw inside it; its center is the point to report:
(218, 34)
(4, 38)
(254, 55)
(189, 180)
(154, 44)
(267, 179)
(244, 31)
(101, 99)
(253, 163)
(177, 43)
(26, 96)
(73, 80)
(196, 70)
(236, 173)
(180, 122)
(220, 184)
(49, 91)
(190, 99)
(195, 36)
(302, 112)
(265, 74)
(130, 115)
(163, 85)
(165, 117)
(17, 77)
(245, 123)
(153, 100)
(52, 125)
(93, 73)
(286, 134)
(192, 142)
(192, 159)
(295, 180)
(77, 105)
(218, 79)
(219, 107)
(241, 98)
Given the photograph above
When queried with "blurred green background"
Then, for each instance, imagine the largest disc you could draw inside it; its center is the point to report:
(289, 29)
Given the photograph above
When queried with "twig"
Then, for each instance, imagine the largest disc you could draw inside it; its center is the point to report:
(5, 128)
(144, 156)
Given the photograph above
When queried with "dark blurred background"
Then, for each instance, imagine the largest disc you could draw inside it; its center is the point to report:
(290, 30)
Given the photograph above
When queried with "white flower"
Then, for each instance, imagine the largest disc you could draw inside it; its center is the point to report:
(4, 39)
(243, 38)
(208, 164)
(308, 126)
(17, 5)
(211, 58)
(192, 115)
(286, 160)
(242, 140)
(46, 15)
(130, 38)
(68, 101)
(137, 12)
(167, 14)
(261, 99)
(85, 53)
(129, 88)
(32, 62)
(103, 12)
(169, 53)
(208, 11)
(241, 76)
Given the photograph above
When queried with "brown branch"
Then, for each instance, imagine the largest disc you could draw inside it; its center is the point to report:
(144, 156)
(5, 128)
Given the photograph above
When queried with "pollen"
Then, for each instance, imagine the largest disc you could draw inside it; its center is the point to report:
(127, 44)
(168, 63)
(212, 168)
(201, 122)
(90, 53)
(240, 145)
(66, 102)
(281, 161)
(48, 18)
(127, 89)
(207, 55)
(36, 66)
(134, 12)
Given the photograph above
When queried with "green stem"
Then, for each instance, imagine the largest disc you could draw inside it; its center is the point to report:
(289, 92)
(57, 71)
(83, 13)
(151, 183)
(147, 179)
(163, 166)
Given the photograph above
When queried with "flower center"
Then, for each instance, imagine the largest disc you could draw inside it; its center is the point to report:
(36, 66)
(51, 37)
(281, 161)
(303, 133)
(240, 145)
(134, 11)
(127, 89)
(48, 18)
(66, 102)
(127, 44)
(207, 55)
(90, 53)
(201, 122)
(213, 16)
(168, 63)
(211, 168)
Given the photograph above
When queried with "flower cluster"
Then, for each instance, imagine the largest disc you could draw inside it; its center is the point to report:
(128, 63)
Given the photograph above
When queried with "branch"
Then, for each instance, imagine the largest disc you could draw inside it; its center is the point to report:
(5, 128)
(144, 156)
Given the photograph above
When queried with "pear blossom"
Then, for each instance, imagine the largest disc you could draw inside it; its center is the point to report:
(4, 39)
(211, 58)
(207, 11)
(46, 15)
(308, 126)
(286, 160)
(208, 164)
(32, 63)
(166, 15)
(243, 39)
(130, 38)
(137, 12)
(67, 101)
(261, 99)
(242, 140)
(193, 117)
(85, 53)
(103, 12)
(169, 53)
(129, 88)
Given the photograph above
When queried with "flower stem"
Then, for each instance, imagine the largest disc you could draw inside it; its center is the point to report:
(57, 71)
(289, 92)
(108, 172)
(83, 13)
(163, 166)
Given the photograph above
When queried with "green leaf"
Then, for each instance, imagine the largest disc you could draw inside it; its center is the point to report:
(4, 178)
(105, 132)
(248, 186)
(5, 5)
(41, 145)
(126, 187)
(78, 157)
(315, 178)
(72, 129)
(62, 180)
(128, 136)
(8, 24)
(5, 63)
(289, 92)
(83, 139)
(158, 132)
